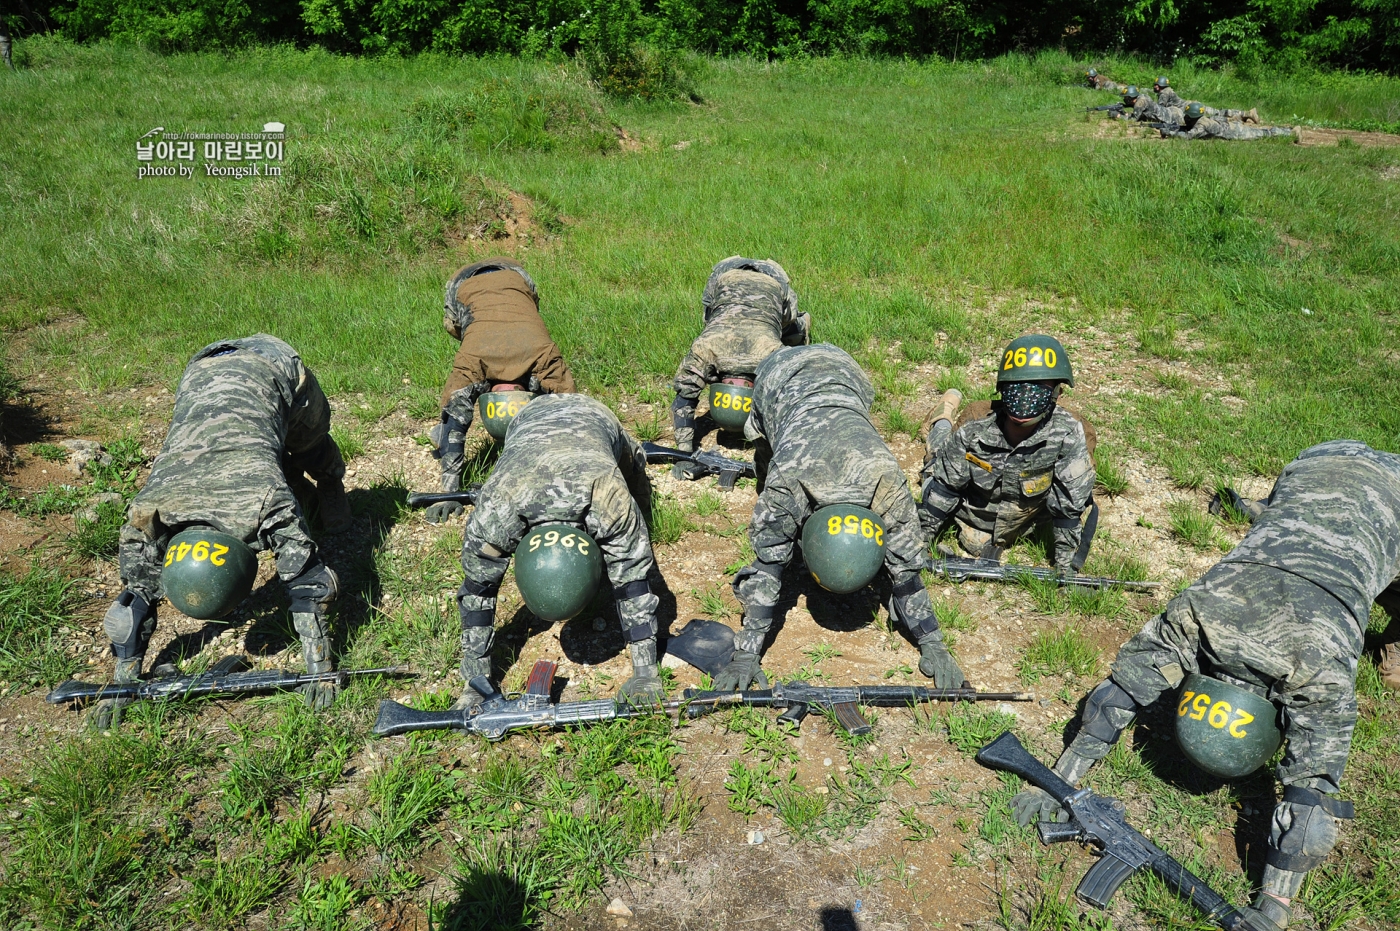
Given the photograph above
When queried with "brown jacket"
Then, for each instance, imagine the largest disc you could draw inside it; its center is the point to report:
(506, 340)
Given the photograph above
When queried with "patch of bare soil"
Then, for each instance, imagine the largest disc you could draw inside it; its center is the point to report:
(1390, 173)
(713, 877)
(1304, 135)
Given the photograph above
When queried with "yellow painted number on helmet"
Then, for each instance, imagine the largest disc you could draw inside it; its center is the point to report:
(1219, 714)
(1242, 718)
(879, 536)
(568, 541)
(1185, 700)
(583, 546)
(534, 543)
(182, 551)
(551, 537)
(748, 405)
(852, 524)
(1200, 706)
(217, 556)
(1050, 358)
(833, 525)
(867, 528)
(200, 551)
(1036, 358)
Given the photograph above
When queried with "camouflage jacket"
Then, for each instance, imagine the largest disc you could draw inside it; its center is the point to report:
(978, 477)
(749, 308)
(1170, 98)
(566, 459)
(811, 418)
(242, 406)
(1286, 611)
(1216, 128)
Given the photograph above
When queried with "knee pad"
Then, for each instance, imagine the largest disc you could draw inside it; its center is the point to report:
(477, 642)
(1304, 829)
(129, 623)
(1107, 710)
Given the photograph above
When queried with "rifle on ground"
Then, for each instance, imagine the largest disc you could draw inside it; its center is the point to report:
(497, 714)
(1099, 821)
(422, 499)
(1111, 107)
(798, 699)
(223, 678)
(728, 470)
(960, 569)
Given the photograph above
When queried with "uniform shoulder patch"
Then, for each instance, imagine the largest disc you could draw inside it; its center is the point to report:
(978, 461)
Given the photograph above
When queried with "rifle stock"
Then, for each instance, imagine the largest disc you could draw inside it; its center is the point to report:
(1006, 754)
(271, 680)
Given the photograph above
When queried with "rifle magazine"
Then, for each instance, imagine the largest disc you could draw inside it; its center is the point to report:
(1103, 879)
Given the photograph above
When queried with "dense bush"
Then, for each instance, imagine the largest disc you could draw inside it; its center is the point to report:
(627, 39)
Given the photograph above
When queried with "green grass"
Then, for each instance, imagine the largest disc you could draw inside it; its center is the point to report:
(98, 539)
(35, 608)
(1195, 527)
(1066, 653)
(49, 452)
(667, 520)
(351, 442)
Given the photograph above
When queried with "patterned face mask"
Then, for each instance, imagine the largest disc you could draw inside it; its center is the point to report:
(1028, 400)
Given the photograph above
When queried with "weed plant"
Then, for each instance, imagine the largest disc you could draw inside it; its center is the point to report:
(1066, 653)
(35, 609)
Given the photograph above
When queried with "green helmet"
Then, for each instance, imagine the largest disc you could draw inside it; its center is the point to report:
(1225, 730)
(557, 569)
(1162, 82)
(1092, 73)
(498, 408)
(844, 546)
(1034, 357)
(1194, 111)
(1130, 94)
(730, 403)
(207, 573)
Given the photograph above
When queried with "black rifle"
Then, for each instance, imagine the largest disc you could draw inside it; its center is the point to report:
(960, 569)
(1112, 108)
(728, 470)
(799, 698)
(422, 499)
(497, 714)
(223, 678)
(1099, 821)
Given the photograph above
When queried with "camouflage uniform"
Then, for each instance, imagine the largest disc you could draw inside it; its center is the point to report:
(566, 459)
(1283, 615)
(1100, 82)
(818, 447)
(1216, 128)
(248, 414)
(493, 308)
(750, 312)
(995, 493)
(1170, 98)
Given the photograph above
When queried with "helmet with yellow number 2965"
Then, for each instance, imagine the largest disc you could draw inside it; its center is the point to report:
(558, 569)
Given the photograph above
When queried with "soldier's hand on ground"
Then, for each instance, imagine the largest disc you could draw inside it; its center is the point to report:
(687, 471)
(319, 695)
(641, 690)
(1032, 805)
(106, 715)
(443, 511)
(936, 663)
(739, 674)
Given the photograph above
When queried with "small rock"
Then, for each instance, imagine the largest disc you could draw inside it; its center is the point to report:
(82, 453)
(756, 837)
(599, 624)
(671, 662)
(1045, 703)
(619, 908)
(826, 761)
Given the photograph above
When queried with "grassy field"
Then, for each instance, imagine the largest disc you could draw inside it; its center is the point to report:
(1244, 297)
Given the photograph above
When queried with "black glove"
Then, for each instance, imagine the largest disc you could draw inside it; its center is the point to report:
(443, 511)
(739, 674)
(687, 471)
(938, 664)
(1032, 804)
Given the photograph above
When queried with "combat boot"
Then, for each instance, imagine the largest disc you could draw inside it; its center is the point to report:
(645, 684)
(1389, 665)
(334, 505)
(107, 715)
(476, 663)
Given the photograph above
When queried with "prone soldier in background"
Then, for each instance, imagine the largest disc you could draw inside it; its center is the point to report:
(750, 312)
(1167, 97)
(1199, 124)
(1097, 81)
(248, 414)
(564, 500)
(1014, 463)
(1272, 632)
(506, 357)
(830, 480)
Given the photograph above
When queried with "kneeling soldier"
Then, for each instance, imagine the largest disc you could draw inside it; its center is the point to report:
(506, 357)
(559, 500)
(1272, 632)
(828, 479)
(247, 415)
(1013, 463)
(750, 311)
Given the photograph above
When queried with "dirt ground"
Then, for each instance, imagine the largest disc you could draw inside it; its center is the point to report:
(713, 877)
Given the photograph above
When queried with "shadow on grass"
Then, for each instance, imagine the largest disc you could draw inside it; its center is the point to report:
(488, 900)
